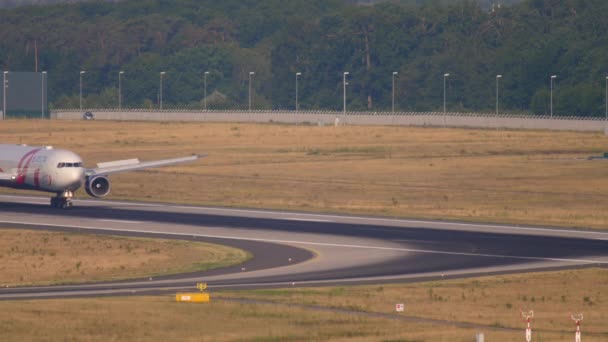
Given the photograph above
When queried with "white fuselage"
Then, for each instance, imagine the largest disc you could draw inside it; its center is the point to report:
(41, 168)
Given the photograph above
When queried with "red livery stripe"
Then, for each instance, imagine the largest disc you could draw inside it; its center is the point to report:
(30, 155)
(37, 178)
(23, 159)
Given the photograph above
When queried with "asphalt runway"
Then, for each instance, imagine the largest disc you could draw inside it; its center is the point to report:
(298, 249)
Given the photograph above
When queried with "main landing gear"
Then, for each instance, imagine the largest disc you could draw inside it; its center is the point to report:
(63, 200)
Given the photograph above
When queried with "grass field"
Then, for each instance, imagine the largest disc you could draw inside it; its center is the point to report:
(30, 257)
(526, 177)
(493, 302)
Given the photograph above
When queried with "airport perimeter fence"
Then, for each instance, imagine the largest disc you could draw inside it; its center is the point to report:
(322, 118)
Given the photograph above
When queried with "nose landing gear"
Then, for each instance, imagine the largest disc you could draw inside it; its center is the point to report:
(63, 200)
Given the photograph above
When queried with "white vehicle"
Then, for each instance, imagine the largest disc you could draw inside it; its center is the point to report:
(62, 172)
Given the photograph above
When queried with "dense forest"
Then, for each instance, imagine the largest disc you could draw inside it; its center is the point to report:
(21, 3)
(483, 3)
(526, 43)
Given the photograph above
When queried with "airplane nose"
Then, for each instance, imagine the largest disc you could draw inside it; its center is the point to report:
(79, 178)
(74, 178)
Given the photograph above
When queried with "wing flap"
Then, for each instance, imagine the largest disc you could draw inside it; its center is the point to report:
(134, 164)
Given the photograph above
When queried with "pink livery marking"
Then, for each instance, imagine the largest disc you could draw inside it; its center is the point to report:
(23, 158)
(28, 159)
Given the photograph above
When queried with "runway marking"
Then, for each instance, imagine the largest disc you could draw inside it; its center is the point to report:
(414, 241)
(119, 221)
(337, 218)
(26, 197)
(44, 200)
(132, 204)
(308, 243)
(306, 220)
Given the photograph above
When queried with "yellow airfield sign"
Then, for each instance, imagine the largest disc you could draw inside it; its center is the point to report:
(194, 297)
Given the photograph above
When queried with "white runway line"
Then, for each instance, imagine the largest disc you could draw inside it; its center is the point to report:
(341, 218)
(119, 221)
(338, 218)
(125, 204)
(306, 220)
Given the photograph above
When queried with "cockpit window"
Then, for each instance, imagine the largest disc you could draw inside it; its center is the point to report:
(61, 165)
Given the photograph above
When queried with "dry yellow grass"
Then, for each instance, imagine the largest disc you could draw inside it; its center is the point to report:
(39, 257)
(532, 177)
(494, 300)
(491, 301)
(160, 319)
(527, 177)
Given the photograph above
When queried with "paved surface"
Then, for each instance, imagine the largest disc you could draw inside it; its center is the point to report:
(297, 249)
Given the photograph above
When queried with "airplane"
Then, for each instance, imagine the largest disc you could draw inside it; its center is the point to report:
(44, 168)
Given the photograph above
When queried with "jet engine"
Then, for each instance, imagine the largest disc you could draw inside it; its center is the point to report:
(98, 186)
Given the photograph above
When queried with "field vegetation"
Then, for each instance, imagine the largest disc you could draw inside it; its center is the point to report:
(472, 40)
(29, 257)
(531, 177)
(491, 301)
(507, 176)
(360, 313)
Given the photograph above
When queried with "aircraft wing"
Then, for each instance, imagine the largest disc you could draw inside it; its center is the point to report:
(134, 164)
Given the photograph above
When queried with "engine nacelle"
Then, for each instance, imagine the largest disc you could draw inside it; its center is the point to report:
(98, 186)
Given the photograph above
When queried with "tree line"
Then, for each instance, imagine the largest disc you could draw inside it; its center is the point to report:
(526, 42)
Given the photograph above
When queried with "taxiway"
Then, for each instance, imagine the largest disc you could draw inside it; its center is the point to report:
(300, 249)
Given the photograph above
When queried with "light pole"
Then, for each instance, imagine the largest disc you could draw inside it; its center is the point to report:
(551, 104)
(393, 102)
(344, 96)
(497, 78)
(4, 86)
(42, 75)
(298, 74)
(160, 99)
(445, 76)
(120, 73)
(82, 72)
(205, 89)
(606, 99)
(251, 73)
